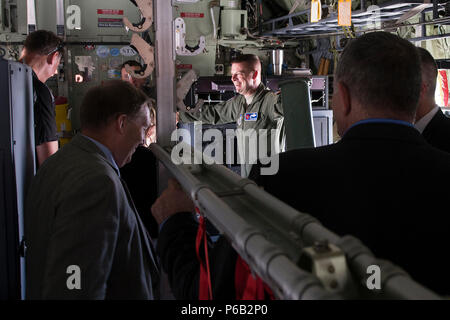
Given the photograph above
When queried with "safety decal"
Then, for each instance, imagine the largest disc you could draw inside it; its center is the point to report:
(127, 51)
(113, 74)
(115, 52)
(114, 63)
(252, 116)
(102, 51)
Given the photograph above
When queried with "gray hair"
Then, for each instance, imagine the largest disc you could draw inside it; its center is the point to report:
(382, 70)
(109, 99)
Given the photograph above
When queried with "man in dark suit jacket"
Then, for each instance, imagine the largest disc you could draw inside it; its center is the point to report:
(430, 120)
(85, 239)
(373, 184)
(377, 182)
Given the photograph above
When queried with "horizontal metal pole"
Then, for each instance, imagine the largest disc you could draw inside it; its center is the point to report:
(295, 14)
(286, 279)
(437, 36)
(293, 30)
(273, 264)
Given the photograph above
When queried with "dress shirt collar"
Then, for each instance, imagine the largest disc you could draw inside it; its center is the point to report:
(106, 151)
(425, 120)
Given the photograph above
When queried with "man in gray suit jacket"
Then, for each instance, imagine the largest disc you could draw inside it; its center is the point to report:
(84, 237)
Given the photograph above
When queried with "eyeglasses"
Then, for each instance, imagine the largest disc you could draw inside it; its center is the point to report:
(58, 48)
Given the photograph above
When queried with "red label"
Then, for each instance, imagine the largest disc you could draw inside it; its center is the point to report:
(110, 11)
(444, 86)
(184, 66)
(192, 15)
(109, 20)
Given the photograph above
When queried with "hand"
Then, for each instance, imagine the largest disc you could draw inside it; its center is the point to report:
(178, 117)
(172, 200)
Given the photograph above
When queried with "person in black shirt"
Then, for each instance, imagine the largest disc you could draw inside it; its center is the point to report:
(140, 175)
(42, 51)
(142, 170)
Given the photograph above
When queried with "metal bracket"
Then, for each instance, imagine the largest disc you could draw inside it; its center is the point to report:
(146, 51)
(328, 263)
(181, 48)
(146, 7)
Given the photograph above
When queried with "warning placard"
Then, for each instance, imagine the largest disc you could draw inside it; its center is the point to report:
(110, 11)
(192, 15)
(184, 66)
(110, 23)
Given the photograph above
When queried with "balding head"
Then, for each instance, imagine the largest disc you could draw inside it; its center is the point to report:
(382, 71)
(378, 76)
(117, 115)
(104, 102)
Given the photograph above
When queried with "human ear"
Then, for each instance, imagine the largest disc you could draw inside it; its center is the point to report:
(23, 53)
(121, 122)
(345, 97)
(52, 58)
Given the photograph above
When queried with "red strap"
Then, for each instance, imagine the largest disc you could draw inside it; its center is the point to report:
(444, 85)
(204, 288)
(247, 285)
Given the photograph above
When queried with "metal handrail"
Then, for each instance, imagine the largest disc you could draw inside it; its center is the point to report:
(273, 261)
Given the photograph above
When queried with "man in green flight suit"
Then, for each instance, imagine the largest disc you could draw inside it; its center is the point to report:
(257, 112)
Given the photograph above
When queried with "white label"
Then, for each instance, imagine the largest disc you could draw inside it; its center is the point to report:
(31, 12)
(316, 11)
